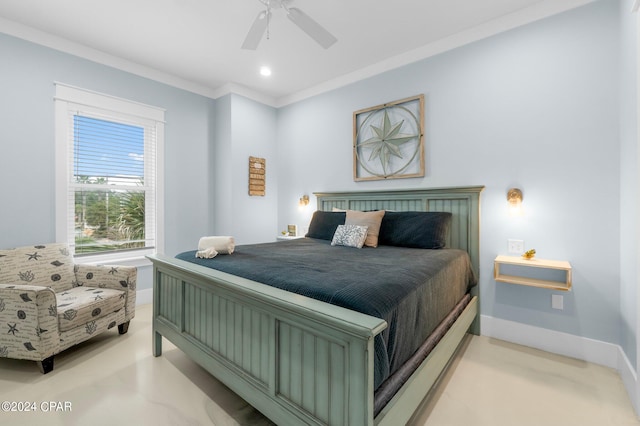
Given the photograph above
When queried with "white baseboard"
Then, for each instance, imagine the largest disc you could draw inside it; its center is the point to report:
(556, 342)
(629, 379)
(583, 348)
(144, 297)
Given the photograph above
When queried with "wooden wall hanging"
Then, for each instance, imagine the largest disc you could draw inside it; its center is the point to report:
(257, 175)
(388, 140)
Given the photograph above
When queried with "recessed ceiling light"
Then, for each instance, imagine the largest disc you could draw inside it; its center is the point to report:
(265, 71)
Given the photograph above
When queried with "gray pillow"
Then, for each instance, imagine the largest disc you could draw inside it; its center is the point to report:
(323, 224)
(427, 230)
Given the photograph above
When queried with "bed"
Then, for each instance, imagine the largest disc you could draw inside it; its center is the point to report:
(299, 360)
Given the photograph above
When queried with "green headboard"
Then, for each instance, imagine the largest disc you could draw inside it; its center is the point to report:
(462, 202)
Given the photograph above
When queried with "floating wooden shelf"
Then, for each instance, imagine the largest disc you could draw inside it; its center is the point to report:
(533, 263)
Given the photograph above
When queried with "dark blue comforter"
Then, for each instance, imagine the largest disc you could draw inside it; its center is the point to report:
(411, 289)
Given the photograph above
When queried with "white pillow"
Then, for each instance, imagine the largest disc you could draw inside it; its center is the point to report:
(349, 236)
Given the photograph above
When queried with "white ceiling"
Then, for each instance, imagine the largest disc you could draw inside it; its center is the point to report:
(195, 44)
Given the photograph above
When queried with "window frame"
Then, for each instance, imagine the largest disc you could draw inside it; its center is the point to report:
(69, 99)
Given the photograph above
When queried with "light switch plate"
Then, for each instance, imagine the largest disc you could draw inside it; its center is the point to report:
(516, 246)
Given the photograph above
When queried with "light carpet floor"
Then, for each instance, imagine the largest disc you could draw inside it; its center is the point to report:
(114, 380)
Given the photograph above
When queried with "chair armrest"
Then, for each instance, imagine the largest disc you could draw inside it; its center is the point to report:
(116, 277)
(28, 322)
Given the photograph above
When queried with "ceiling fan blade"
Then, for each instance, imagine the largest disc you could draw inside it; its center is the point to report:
(311, 27)
(256, 31)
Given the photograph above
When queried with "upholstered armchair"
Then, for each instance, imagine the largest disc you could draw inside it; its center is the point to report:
(48, 303)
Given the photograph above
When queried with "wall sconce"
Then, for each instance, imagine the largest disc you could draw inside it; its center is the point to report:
(514, 198)
(304, 201)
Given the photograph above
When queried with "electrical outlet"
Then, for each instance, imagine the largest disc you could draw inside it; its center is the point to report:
(557, 301)
(516, 246)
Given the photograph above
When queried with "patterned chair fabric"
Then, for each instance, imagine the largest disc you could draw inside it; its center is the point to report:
(48, 303)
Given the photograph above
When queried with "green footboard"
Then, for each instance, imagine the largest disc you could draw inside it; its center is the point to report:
(297, 360)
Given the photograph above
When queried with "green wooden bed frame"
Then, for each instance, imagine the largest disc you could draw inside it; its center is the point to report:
(295, 359)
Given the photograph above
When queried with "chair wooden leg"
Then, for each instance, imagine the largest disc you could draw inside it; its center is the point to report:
(123, 328)
(46, 365)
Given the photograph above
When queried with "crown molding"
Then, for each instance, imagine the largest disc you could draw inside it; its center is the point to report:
(42, 38)
(507, 22)
(540, 10)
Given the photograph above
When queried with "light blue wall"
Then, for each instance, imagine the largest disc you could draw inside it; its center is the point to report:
(246, 129)
(537, 108)
(222, 171)
(629, 188)
(27, 76)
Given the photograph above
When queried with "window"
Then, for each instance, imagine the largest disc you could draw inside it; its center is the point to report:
(107, 155)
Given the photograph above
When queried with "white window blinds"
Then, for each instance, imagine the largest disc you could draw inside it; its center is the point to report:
(111, 178)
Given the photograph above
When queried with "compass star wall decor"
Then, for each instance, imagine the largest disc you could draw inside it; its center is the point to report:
(388, 140)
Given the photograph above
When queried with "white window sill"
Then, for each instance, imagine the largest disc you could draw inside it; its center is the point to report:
(125, 259)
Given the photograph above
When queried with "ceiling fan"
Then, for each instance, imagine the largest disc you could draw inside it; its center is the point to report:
(261, 24)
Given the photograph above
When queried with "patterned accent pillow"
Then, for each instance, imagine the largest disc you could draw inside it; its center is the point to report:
(350, 236)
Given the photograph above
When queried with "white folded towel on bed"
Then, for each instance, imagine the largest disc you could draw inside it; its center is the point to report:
(208, 253)
(223, 245)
